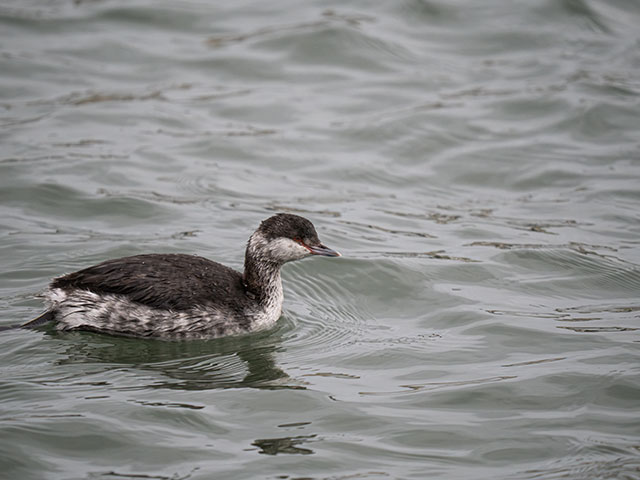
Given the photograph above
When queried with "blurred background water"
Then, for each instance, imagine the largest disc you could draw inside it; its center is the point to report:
(477, 164)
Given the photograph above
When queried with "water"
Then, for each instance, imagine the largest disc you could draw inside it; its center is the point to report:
(477, 164)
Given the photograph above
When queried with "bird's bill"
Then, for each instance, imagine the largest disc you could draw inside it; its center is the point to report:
(323, 250)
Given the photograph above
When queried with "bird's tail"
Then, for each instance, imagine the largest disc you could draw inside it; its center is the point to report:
(46, 317)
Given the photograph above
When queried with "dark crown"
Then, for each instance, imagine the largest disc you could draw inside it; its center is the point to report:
(289, 226)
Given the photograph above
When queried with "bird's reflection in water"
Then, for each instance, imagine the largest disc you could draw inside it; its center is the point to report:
(274, 446)
(243, 361)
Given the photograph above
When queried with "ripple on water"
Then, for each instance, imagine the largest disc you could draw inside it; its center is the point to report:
(476, 164)
(554, 267)
(323, 327)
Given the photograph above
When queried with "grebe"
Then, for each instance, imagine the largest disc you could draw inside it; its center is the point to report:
(177, 296)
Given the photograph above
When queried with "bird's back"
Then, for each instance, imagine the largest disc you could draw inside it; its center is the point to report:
(163, 281)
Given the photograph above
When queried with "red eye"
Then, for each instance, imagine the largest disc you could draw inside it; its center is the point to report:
(301, 242)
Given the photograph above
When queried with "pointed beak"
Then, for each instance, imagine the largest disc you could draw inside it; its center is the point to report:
(322, 250)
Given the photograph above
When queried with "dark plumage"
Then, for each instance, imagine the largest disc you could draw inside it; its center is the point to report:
(166, 281)
(184, 296)
(289, 226)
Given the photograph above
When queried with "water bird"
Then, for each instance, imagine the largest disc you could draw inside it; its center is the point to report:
(181, 297)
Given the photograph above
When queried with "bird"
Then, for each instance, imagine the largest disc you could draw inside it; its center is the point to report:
(180, 296)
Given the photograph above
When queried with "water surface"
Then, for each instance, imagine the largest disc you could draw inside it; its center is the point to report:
(477, 164)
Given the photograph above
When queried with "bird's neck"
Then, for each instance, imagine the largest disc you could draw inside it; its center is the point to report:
(262, 277)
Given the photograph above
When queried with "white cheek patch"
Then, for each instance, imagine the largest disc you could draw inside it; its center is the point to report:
(287, 249)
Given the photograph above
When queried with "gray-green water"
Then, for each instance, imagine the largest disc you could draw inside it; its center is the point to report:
(477, 163)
